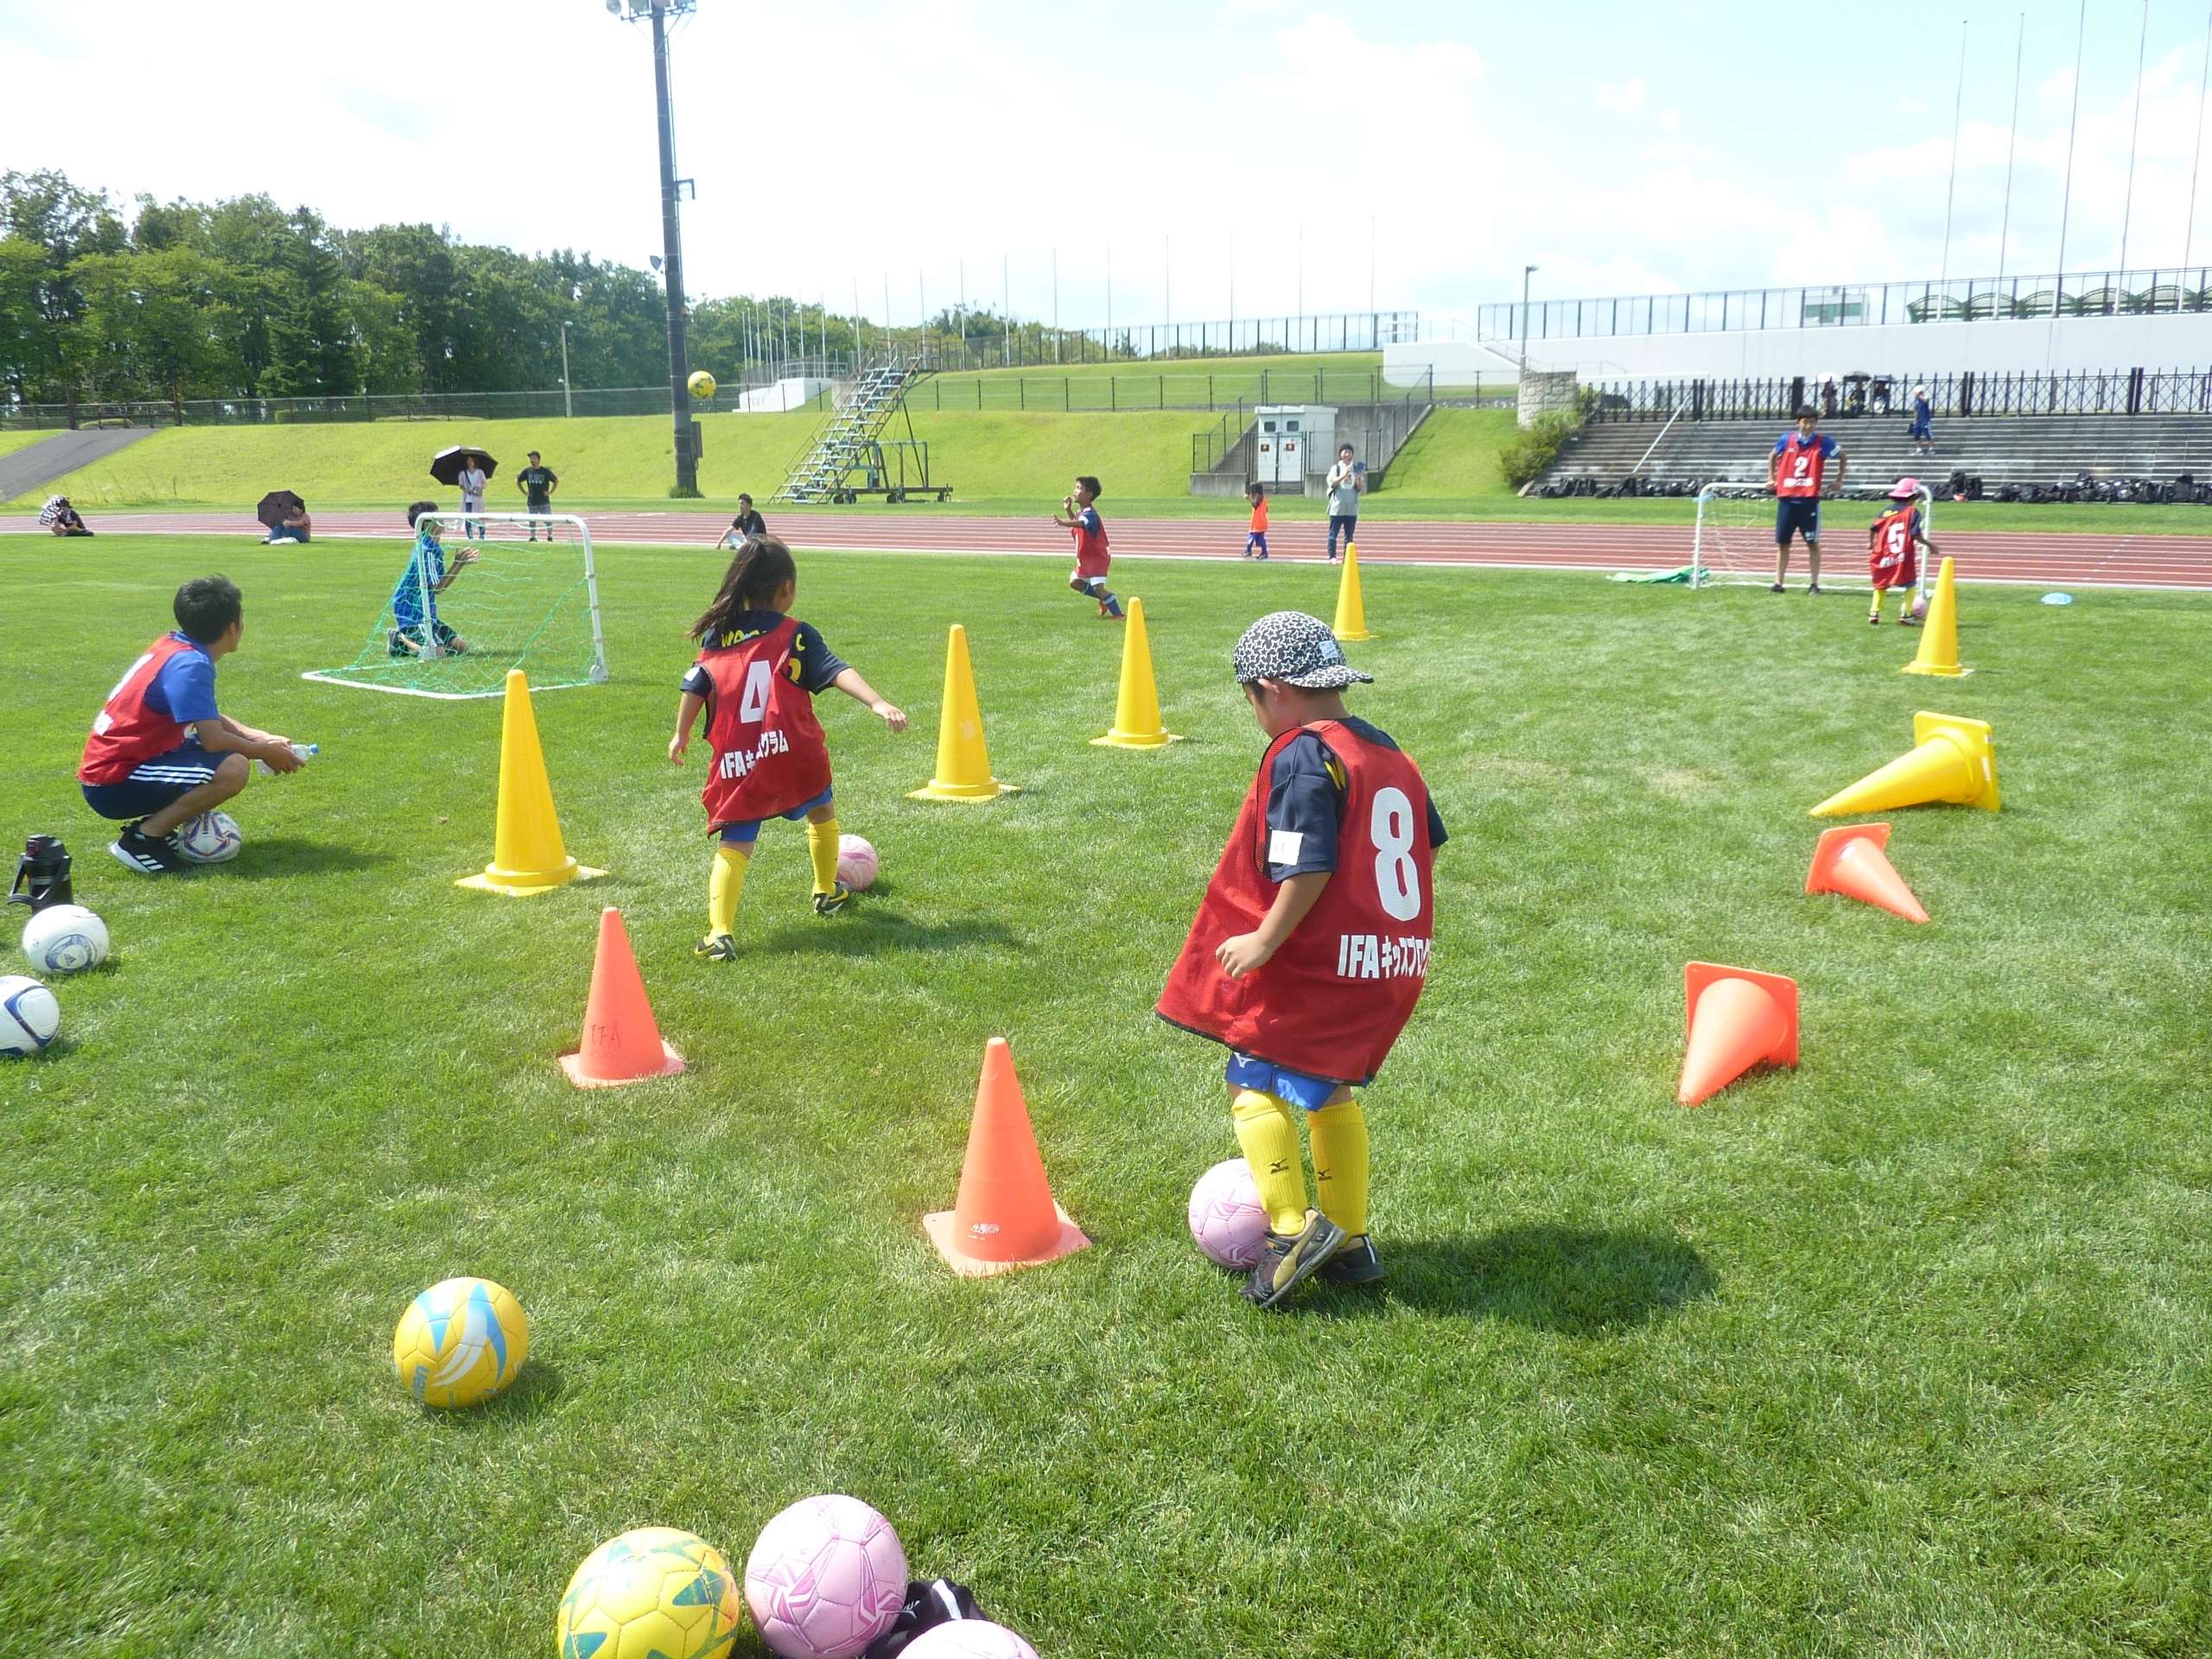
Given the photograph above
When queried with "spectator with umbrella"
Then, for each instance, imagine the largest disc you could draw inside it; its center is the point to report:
(469, 469)
(286, 515)
(58, 516)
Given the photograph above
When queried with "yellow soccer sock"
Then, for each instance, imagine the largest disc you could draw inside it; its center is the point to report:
(1339, 1134)
(821, 849)
(724, 887)
(1270, 1143)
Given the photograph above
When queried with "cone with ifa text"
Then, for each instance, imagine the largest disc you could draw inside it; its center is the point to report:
(1137, 724)
(1739, 1019)
(1352, 610)
(1850, 860)
(1004, 1217)
(527, 857)
(1939, 634)
(1953, 760)
(622, 1042)
(963, 764)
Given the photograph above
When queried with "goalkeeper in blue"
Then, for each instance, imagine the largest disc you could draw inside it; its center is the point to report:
(417, 628)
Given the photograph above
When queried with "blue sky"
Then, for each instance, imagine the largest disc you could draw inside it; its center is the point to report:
(1290, 149)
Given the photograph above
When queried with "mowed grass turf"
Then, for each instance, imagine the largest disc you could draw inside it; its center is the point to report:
(1901, 1353)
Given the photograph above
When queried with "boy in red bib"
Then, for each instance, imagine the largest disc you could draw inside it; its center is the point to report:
(1092, 560)
(1311, 947)
(1892, 548)
(758, 672)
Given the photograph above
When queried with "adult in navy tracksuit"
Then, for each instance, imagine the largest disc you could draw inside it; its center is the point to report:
(159, 753)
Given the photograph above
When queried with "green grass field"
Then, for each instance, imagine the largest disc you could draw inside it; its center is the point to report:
(1901, 1353)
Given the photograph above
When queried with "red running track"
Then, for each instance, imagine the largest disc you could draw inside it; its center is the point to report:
(2073, 558)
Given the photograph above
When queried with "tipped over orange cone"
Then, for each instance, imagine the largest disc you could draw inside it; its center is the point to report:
(1850, 860)
(1004, 1217)
(1739, 1019)
(622, 1042)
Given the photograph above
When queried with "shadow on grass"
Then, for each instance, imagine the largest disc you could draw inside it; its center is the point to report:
(877, 933)
(269, 857)
(534, 1391)
(1577, 1280)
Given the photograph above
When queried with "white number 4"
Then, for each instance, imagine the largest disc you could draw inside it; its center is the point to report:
(753, 703)
(1398, 878)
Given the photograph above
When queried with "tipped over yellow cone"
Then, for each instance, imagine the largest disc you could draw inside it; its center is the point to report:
(1953, 760)
(1939, 635)
(1352, 610)
(963, 764)
(527, 857)
(1136, 710)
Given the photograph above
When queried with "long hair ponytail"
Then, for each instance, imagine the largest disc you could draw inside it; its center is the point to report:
(762, 566)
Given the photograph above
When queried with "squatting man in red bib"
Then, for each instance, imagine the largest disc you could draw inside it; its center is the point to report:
(1311, 946)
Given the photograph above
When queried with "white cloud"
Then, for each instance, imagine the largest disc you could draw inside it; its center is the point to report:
(1626, 98)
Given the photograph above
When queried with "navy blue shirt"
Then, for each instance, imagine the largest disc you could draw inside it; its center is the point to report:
(1306, 798)
(813, 666)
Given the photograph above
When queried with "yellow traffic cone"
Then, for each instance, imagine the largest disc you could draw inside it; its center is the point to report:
(1352, 613)
(964, 764)
(527, 857)
(1136, 710)
(1939, 634)
(1953, 760)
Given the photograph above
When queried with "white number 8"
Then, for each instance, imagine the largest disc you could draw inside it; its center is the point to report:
(1398, 878)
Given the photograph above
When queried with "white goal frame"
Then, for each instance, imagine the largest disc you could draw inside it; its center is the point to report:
(429, 650)
(1703, 575)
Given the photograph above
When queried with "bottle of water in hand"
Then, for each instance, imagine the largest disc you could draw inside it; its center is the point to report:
(306, 752)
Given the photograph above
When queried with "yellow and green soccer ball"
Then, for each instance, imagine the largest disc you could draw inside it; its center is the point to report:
(702, 385)
(655, 1592)
(460, 1342)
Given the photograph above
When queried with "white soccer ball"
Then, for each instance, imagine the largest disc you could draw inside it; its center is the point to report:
(28, 1015)
(826, 1578)
(64, 939)
(210, 838)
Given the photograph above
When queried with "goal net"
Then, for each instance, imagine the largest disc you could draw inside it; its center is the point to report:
(1734, 540)
(478, 595)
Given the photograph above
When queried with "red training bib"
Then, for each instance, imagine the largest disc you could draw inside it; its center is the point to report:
(767, 745)
(127, 732)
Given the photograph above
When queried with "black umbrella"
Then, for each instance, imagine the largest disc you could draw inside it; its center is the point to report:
(446, 464)
(277, 505)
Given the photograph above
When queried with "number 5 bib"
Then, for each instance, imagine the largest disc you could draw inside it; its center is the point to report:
(766, 747)
(1331, 1001)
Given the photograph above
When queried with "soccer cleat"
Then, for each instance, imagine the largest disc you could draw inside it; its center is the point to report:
(1289, 1261)
(829, 904)
(1354, 1263)
(1876, 619)
(1776, 589)
(1813, 587)
(716, 947)
(148, 854)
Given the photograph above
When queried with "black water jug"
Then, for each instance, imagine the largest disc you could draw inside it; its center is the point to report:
(42, 874)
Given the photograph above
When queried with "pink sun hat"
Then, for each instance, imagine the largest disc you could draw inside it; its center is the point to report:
(1904, 489)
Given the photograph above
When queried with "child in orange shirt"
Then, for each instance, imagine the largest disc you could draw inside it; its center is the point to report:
(1255, 540)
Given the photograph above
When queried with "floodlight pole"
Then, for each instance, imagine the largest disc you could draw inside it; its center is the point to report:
(672, 235)
(1527, 271)
(567, 394)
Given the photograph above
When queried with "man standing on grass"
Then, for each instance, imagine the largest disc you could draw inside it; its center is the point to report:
(1797, 472)
(537, 482)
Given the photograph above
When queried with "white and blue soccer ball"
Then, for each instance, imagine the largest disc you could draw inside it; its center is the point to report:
(210, 838)
(64, 939)
(30, 1016)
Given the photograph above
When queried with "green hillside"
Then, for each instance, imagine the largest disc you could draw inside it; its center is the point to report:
(1454, 455)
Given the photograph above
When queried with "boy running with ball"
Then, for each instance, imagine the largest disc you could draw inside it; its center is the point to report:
(1311, 946)
(1092, 560)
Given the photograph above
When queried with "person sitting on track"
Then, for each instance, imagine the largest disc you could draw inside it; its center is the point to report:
(296, 527)
(747, 523)
(66, 520)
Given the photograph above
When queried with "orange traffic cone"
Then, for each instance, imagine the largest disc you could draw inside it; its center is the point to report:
(621, 1043)
(1849, 860)
(1004, 1217)
(1738, 1019)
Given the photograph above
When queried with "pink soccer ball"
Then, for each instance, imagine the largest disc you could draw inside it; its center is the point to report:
(856, 862)
(1226, 1217)
(826, 1578)
(968, 1638)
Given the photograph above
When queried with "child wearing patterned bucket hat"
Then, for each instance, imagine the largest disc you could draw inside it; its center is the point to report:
(1311, 946)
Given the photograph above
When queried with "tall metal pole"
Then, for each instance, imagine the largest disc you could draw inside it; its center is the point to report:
(2134, 128)
(2011, 142)
(567, 394)
(1958, 110)
(2073, 122)
(1527, 271)
(2196, 156)
(671, 236)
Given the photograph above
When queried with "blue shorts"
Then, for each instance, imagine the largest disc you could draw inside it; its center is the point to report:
(1308, 1094)
(1798, 515)
(286, 533)
(155, 783)
(1922, 429)
(744, 833)
(1257, 538)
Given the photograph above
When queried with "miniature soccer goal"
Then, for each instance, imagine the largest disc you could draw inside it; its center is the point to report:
(1733, 543)
(500, 591)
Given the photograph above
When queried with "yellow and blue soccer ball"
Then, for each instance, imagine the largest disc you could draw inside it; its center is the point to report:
(702, 385)
(460, 1341)
(654, 1591)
